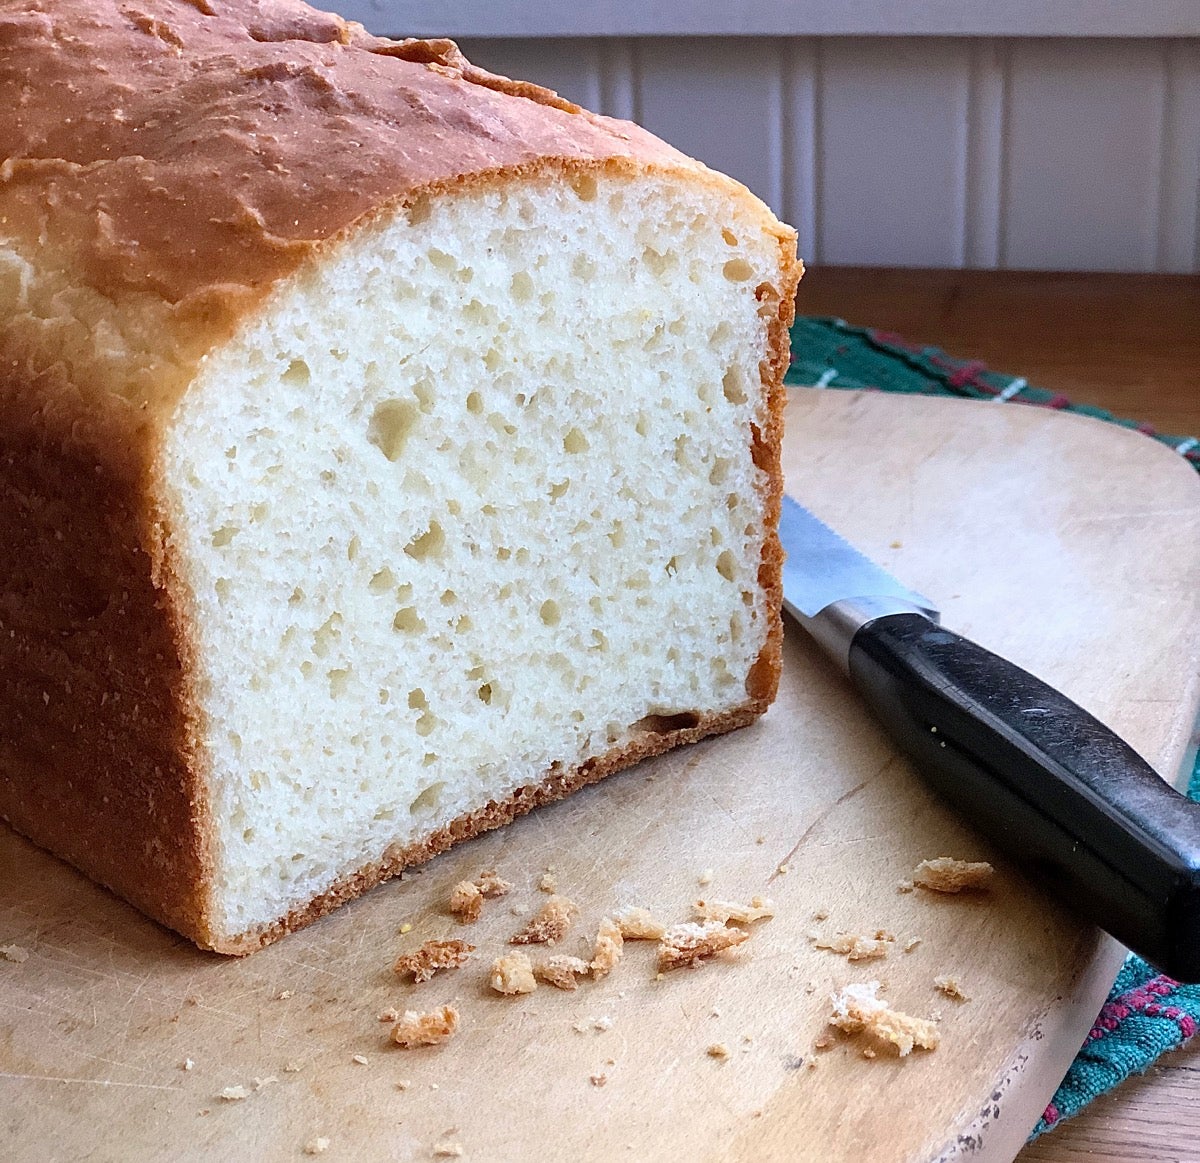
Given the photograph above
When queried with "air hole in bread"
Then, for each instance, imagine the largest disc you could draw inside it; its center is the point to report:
(666, 724)
(391, 425)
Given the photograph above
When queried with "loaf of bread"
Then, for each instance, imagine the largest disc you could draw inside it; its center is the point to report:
(386, 448)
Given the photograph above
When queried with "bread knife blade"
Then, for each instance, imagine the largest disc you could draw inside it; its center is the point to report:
(1058, 792)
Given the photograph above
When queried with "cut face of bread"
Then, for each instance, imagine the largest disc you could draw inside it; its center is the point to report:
(470, 503)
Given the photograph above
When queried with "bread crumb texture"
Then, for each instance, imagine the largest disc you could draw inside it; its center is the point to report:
(234, 1094)
(316, 1146)
(425, 1029)
(466, 902)
(491, 884)
(949, 984)
(433, 957)
(857, 1008)
(548, 882)
(512, 974)
(607, 951)
(727, 912)
(599, 1079)
(689, 944)
(14, 953)
(560, 971)
(637, 924)
(856, 947)
(945, 874)
(550, 925)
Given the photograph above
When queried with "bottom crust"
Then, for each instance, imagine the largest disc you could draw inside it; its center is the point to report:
(658, 734)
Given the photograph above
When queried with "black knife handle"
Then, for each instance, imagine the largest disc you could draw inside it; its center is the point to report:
(1068, 799)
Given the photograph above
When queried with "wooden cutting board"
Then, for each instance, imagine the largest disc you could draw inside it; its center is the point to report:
(1071, 546)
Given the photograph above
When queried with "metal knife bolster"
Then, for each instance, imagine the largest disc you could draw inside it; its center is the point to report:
(835, 626)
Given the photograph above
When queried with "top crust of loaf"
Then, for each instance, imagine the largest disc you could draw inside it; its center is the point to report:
(181, 157)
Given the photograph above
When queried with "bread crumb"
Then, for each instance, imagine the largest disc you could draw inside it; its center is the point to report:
(512, 974)
(263, 1083)
(896, 544)
(868, 1053)
(466, 902)
(187, 1064)
(599, 1079)
(316, 1146)
(821, 915)
(447, 1150)
(405, 928)
(951, 987)
(782, 870)
(911, 944)
(718, 1050)
(606, 953)
(550, 924)
(725, 911)
(857, 1008)
(855, 947)
(945, 874)
(602, 1023)
(689, 943)
(292, 1068)
(491, 884)
(403, 1084)
(580, 1027)
(389, 1015)
(636, 924)
(705, 878)
(431, 958)
(234, 1094)
(548, 883)
(823, 1042)
(284, 994)
(425, 1029)
(810, 987)
(905, 886)
(14, 953)
(361, 1059)
(560, 970)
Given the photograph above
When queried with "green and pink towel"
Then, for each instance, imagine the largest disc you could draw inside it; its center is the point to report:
(1147, 1013)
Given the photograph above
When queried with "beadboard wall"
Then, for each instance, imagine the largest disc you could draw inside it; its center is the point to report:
(1058, 154)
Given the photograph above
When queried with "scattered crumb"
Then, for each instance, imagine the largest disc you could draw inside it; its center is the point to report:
(782, 870)
(602, 1023)
(361, 1059)
(718, 1050)
(284, 994)
(905, 886)
(606, 953)
(187, 1064)
(316, 1146)
(405, 928)
(945, 874)
(548, 883)
(580, 1027)
(823, 1042)
(896, 544)
(447, 1150)
(292, 1068)
(466, 902)
(951, 987)
(821, 915)
(868, 1053)
(855, 947)
(432, 957)
(856, 1008)
(15, 953)
(389, 1015)
(234, 1094)
(263, 1083)
(911, 944)
(637, 924)
(491, 884)
(550, 925)
(811, 1064)
(760, 839)
(705, 878)
(560, 970)
(403, 1084)
(512, 974)
(425, 1029)
(725, 911)
(599, 1079)
(715, 1013)
(689, 944)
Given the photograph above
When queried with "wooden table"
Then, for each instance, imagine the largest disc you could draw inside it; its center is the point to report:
(1128, 343)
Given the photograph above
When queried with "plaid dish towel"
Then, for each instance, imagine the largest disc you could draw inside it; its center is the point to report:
(1147, 1013)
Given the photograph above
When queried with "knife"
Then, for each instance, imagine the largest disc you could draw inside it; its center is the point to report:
(1060, 793)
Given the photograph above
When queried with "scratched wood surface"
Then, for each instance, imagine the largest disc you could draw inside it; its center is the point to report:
(983, 507)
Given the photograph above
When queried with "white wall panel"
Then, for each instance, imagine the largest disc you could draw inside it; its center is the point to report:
(1084, 154)
(921, 151)
(892, 151)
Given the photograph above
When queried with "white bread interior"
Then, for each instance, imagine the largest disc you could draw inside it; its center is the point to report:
(470, 497)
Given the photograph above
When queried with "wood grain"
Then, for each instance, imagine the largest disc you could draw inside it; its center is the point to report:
(1128, 343)
(968, 501)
